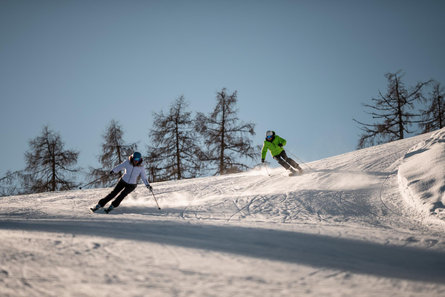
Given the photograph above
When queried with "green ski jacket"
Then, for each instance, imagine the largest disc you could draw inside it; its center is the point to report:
(273, 146)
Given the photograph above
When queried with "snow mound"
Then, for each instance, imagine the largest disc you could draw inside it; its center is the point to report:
(421, 175)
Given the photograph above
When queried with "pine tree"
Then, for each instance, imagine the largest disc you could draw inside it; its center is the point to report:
(225, 137)
(174, 153)
(393, 111)
(433, 117)
(47, 163)
(114, 152)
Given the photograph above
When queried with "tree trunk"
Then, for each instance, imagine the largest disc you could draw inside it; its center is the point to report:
(51, 150)
(439, 107)
(223, 123)
(399, 110)
(118, 151)
(178, 153)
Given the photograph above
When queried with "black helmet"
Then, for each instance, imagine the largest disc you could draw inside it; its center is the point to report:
(136, 157)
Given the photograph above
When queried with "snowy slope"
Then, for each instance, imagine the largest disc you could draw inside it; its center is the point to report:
(421, 179)
(366, 223)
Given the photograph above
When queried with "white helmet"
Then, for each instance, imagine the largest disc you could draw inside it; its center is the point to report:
(270, 134)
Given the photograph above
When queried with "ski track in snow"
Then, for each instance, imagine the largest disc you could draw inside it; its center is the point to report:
(357, 224)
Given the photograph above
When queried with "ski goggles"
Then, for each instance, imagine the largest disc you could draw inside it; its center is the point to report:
(269, 137)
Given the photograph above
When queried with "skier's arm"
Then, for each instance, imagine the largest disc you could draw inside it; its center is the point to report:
(145, 179)
(119, 167)
(264, 151)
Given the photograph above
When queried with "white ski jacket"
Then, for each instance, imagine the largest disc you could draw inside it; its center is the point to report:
(131, 173)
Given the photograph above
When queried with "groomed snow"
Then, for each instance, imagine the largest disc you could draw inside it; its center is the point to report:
(366, 223)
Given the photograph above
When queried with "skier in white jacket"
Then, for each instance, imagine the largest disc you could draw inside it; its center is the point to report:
(132, 171)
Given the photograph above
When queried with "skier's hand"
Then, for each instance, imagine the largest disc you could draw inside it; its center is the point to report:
(280, 145)
(150, 188)
(262, 160)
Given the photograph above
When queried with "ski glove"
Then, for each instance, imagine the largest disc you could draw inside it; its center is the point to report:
(280, 145)
(262, 160)
(150, 188)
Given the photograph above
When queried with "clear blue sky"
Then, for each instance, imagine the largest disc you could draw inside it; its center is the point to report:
(301, 68)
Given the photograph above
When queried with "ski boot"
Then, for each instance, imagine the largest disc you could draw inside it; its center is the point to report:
(110, 208)
(293, 172)
(300, 171)
(96, 208)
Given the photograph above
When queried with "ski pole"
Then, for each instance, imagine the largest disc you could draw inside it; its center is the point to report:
(265, 166)
(155, 199)
(301, 161)
(267, 170)
(86, 185)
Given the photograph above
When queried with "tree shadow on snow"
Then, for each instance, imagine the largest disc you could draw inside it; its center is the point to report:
(291, 247)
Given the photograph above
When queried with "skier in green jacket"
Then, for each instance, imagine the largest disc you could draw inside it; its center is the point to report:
(275, 144)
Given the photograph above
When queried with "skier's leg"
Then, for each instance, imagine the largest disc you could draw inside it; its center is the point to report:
(291, 162)
(127, 190)
(120, 185)
(282, 161)
(299, 168)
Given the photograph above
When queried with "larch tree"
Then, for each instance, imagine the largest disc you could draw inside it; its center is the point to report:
(11, 183)
(49, 166)
(226, 138)
(433, 117)
(114, 151)
(392, 111)
(174, 151)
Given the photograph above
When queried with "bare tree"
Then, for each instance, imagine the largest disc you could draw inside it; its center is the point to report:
(154, 166)
(47, 163)
(393, 112)
(225, 137)
(433, 117)
(114, 152)
(175, 150)
(11, 183)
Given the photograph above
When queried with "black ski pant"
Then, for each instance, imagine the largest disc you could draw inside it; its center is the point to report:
(285, 161)
(121, 185)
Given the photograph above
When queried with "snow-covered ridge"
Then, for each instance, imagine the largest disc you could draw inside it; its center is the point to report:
(422, 175)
